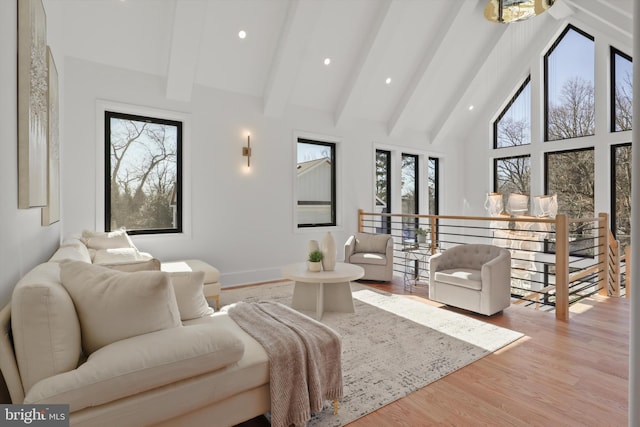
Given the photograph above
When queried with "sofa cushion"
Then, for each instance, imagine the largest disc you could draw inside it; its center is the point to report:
(76, 251)
(106, 240)
(45, 327)
(114, 305)
(464, 277)
(366, 242)
(211, 274)
(368, 258)
(140, 363)
(188, 287)
(125, 259)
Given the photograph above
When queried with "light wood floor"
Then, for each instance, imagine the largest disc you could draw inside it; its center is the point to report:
(560, 374)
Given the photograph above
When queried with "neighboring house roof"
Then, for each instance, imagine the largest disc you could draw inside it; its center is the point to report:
(312, 164)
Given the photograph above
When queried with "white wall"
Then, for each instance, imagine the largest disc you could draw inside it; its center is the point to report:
(240, 222)
(24, 242)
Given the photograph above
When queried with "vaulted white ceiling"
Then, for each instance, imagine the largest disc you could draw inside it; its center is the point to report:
(441, 55)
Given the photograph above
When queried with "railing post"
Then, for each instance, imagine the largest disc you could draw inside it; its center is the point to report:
(614, 266)
(360, 220)
(627, 268)
(603, 253)
(562, 267)
(434, 226)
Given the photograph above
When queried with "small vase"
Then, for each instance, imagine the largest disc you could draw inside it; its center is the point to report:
(314, 266)
(312, 246)
(329, 252)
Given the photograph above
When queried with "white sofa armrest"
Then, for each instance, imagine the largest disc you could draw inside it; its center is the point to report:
(349, 247)
(496, 273)
(140, 363)
(389, 249)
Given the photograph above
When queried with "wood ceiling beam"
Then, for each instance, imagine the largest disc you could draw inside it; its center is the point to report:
(614, 18)
(370, 53)
(438, 48)
(188, 27)
(302, 16)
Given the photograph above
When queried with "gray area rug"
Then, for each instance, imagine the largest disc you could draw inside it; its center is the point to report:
(391, 345)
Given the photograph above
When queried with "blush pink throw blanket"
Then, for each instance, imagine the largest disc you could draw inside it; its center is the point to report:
(304, 359)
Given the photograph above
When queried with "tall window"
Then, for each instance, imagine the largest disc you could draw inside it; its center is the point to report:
(621, 193)
(569, 86)
(512, 175)
(409, 191)
(621, 90)
(513, 126)
(383, 188)
(570, 174)
(316, 183)
(433, 171)
(143, 174)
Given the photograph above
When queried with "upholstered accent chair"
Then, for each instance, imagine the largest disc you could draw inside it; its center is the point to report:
(473, 277)
(372, 252)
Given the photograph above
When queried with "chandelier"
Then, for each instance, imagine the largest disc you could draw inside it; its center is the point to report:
(505, 11)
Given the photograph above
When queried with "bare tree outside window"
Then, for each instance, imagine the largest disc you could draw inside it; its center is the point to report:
(383, 189)
(513, 126)
(621, 193)
(409, 191)
(512, 175)
(142, 185)
(570, 174)
(569, 86)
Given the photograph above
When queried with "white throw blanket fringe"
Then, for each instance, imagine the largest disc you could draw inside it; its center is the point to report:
(304, 359)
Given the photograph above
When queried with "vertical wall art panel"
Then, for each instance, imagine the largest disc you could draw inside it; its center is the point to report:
(51, 212)
(32, 104)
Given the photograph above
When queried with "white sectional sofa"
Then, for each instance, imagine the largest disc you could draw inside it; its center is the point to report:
(70, 336)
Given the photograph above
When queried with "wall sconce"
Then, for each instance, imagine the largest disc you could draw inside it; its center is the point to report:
(246, 151)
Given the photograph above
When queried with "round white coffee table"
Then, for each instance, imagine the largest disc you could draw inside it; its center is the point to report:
(324, 290)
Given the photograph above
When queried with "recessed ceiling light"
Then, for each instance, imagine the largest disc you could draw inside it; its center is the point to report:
(388, 81)
(471, 107)
(327, 61)
(242, 34)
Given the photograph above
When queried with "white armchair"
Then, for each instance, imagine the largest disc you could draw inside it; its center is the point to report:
(372, 252)
(473, 277)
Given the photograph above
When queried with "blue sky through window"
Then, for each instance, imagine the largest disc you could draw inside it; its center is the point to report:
(573, 57)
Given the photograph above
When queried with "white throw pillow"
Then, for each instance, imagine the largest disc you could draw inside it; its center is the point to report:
(114, 305)
(188, 287)
(125, 259)
(107, 240)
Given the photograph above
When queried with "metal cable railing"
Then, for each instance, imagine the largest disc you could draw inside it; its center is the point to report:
(555, 262)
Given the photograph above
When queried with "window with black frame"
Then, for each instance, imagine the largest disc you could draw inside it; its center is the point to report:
(512, 175)
(569, 69)
(383, 189)
(621, 91)
(570, 175)
(143, 174)
(513, 125)
(315, 183)
(621, 193)
(410, 190)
